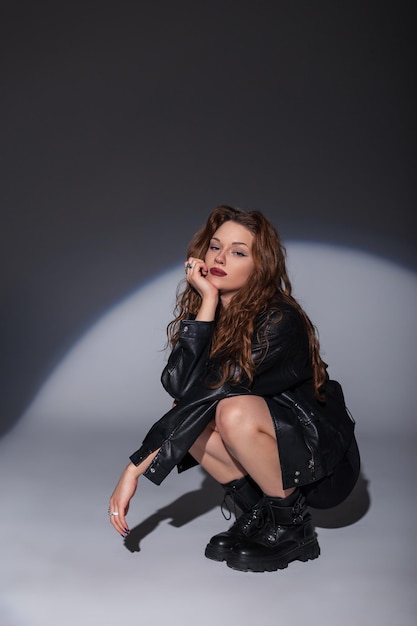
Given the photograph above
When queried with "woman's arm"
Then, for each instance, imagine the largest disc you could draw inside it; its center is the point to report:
(124, 492)
(187, 362)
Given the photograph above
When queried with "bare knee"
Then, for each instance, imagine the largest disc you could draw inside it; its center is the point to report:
(232, 416)
(243, 416)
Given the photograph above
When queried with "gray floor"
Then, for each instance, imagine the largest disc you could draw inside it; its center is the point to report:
(63, 564)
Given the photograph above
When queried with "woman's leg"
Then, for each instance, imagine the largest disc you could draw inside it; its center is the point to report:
(211, 454)
(245, 427)
(278, 529)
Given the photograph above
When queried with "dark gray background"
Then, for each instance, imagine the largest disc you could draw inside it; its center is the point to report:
(124, 123)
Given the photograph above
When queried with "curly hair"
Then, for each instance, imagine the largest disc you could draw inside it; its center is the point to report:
(234, 327)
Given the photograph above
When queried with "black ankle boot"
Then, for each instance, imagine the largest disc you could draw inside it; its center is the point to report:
(280, 531)
(244, 494)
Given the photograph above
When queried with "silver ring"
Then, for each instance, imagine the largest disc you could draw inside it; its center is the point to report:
(189, 266)
(113, 513)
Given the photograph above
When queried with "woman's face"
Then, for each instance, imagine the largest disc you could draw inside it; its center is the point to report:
(229, 259)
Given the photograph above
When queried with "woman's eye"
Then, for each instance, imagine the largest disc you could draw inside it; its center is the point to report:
(239, 253)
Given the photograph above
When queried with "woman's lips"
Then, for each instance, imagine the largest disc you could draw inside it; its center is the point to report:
(217, 272)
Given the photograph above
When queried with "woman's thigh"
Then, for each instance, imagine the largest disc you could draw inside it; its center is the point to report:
(246, 412)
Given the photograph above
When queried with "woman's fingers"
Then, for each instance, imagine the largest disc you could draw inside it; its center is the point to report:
(114, 519)
(196, 273)
(195, 268)
(119, 501)
(118, 520)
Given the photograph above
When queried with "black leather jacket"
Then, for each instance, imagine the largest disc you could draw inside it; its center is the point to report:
(283, 361)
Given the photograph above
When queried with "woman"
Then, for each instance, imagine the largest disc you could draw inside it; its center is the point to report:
(239, 340)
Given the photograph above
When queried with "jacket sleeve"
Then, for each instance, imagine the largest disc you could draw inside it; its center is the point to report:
(282, 354)
(187, 363)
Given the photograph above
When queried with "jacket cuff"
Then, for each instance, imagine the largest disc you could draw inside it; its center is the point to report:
(191, 329)
(138, 456)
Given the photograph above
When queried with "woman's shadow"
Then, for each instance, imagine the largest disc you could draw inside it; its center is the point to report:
(181, 511)
(349, 511)
(192, 505)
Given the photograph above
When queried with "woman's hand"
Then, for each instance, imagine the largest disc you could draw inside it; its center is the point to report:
(196, 272)
(120, 499)
(124, 492)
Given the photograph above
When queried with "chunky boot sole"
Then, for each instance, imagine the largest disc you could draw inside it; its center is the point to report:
(218, 553)
(270, 562)
(221, 545)
(244, 494)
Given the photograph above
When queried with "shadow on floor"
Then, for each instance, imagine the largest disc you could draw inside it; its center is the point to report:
(181, 511)
(348, 512)
(191, 505)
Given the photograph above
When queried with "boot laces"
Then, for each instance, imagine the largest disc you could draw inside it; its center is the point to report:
(225, 508)
(253, 520)
(262, 517)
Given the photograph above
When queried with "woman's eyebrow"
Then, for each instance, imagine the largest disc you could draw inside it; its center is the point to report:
(234, 243)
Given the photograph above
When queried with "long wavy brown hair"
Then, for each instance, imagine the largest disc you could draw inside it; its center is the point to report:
(234, 325)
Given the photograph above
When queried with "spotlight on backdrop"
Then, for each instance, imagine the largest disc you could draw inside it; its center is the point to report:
(363, 306)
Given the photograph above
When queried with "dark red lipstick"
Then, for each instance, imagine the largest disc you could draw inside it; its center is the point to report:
(216, 271)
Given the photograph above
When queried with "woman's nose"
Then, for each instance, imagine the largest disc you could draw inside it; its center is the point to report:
(219, 258)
